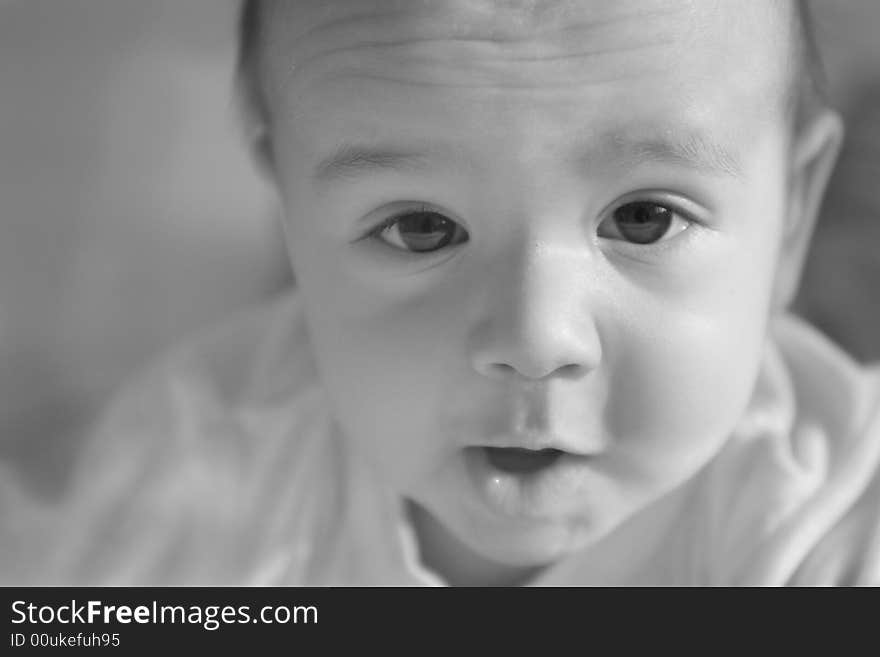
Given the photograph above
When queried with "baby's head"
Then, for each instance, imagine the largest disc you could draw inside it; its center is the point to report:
(539, 242)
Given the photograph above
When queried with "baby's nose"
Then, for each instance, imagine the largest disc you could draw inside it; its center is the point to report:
(537, 321)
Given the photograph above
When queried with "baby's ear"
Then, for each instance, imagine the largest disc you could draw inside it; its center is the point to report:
(814, 153)
(261, 150)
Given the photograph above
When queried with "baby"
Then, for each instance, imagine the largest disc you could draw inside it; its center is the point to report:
(543, 252)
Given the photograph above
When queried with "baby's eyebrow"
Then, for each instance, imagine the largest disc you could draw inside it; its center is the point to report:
(630, 148)
(353, 160)
(689, 149)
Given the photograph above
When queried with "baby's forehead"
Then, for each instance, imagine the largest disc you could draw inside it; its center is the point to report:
(500, 20)
(686, 46)
(748, 35)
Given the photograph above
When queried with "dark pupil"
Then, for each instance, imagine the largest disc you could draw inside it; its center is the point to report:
(643, 223)
(425, 231)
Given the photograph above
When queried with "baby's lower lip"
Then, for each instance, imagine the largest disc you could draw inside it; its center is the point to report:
(523, 483)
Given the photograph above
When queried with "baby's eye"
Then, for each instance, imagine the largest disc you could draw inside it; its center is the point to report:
(642, 222)
(420, 231)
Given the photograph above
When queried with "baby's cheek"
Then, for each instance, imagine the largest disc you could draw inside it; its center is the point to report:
(678, 393)
(385, 366)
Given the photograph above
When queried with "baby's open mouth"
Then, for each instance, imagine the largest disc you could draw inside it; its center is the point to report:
(517, 460)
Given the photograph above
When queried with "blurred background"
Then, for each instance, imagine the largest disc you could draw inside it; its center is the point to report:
(131, 215)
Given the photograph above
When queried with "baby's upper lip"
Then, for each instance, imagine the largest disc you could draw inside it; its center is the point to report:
(534, 440)
(532, 417)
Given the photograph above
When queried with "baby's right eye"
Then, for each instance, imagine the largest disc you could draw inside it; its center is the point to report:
(420, 231)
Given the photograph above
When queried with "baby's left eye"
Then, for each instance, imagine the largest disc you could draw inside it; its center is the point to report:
(642, 222)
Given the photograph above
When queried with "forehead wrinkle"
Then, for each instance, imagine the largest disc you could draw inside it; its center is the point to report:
(429, 52)
(388, 29)
(490, 83)
(501, 19)
(470, 62)
(414, 24)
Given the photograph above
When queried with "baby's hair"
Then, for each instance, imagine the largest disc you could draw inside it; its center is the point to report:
(804, 98)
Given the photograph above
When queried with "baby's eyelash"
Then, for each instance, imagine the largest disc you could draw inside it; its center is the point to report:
(394, 218)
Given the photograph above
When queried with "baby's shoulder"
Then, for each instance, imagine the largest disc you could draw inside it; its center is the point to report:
(847, 551)
(208, 463)
(257, 363)
(837, 402)
(829, 386)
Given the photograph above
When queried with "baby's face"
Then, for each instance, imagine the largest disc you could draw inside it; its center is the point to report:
(537, 244)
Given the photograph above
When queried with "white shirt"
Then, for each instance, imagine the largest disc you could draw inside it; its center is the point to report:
(223, 466)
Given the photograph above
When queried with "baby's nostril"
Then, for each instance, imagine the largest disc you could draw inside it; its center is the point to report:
(572, 371)
(500, 371)
(505, 371)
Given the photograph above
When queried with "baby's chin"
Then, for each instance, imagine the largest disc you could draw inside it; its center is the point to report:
(615, 534)
(455, 520)
(535, 543)
(541, 543)
(466, 552)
